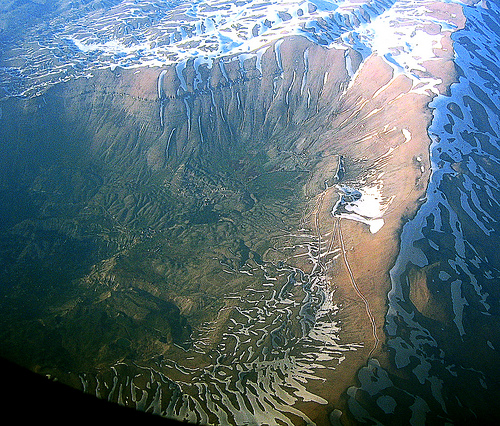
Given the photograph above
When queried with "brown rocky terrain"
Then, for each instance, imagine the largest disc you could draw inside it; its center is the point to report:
(181, 194)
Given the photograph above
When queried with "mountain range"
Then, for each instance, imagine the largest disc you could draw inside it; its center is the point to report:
(254, 212)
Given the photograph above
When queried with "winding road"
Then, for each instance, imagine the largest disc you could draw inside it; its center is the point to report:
(337, 225)
(356, 288)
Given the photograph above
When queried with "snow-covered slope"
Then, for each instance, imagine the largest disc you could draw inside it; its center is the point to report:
(76, 40)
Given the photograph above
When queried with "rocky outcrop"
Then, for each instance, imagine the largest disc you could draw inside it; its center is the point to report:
(251, 100)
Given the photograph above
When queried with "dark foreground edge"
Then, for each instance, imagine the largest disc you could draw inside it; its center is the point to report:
(25, 395)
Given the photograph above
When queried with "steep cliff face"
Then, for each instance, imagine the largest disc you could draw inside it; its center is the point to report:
(254, 101)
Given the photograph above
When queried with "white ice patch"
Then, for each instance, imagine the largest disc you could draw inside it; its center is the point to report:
(398, 35)
(365, 205)
(407, 135)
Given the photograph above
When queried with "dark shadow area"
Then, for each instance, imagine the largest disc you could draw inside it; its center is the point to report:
(27, 396)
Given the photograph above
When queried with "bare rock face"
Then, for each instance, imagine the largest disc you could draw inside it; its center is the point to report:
(217, 108)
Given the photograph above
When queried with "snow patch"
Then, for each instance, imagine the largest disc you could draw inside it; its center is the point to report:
(365, 205)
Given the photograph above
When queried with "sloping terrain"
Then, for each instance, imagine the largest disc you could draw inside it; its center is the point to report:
(201, 203)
